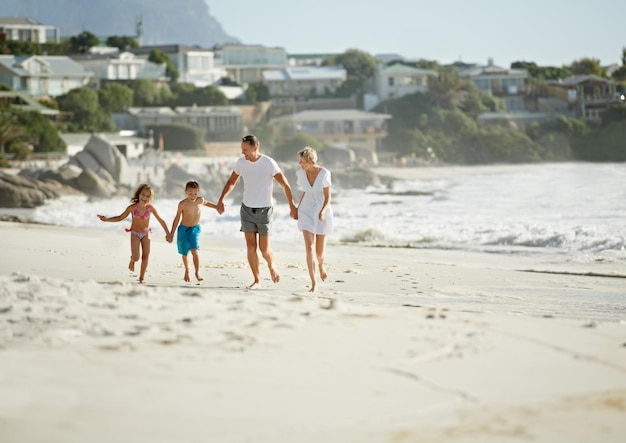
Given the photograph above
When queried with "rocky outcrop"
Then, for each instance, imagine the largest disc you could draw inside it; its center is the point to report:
(99, 170)
(18, 191)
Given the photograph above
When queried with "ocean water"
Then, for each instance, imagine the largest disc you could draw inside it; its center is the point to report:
(565, 212)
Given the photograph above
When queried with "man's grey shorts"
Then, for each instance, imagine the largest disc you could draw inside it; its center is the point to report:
(256, 219)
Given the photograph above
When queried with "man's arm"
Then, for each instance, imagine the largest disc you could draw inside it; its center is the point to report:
(228, 187)
(282, 181)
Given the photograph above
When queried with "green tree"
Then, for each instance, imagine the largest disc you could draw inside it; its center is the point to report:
(10, 128)
(86, 111)
(180, 137)
(40, 132)
(288, 149)
(185, 94)
(257, 92)
(122, 42)
(543, 72)
(81, 43)
(157, 56)
(359, 67)
(147, 93)
(587, 66)
(115, 97)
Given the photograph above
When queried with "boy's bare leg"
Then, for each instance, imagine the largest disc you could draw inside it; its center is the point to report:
(186, 264)
(196, 263)
(253, 259)
(266, 251)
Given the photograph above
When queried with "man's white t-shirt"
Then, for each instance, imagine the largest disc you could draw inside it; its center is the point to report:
(258, 180)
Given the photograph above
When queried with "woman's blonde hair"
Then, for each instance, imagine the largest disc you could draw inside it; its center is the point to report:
(308, 154)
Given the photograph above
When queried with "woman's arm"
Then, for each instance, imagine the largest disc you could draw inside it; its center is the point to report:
(326, 202)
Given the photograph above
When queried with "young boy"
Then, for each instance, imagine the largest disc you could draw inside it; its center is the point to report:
(188, 233)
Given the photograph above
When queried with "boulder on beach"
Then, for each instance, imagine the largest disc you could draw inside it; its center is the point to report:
(103, 158)
(17, 191)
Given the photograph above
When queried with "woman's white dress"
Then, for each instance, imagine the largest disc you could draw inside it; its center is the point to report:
(312, 202)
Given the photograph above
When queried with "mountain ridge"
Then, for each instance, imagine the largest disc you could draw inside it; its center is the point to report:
(185, 22)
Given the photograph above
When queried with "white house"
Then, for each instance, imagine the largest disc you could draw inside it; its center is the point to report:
(246, 63)
(28, 29)
(507, 84)
(398, 80)
(195, 65)
(40, 75)
(121, 66)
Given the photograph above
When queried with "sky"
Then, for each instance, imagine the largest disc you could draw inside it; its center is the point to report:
(547, 32)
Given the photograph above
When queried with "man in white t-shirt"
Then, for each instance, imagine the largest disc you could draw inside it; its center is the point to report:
(259, 172)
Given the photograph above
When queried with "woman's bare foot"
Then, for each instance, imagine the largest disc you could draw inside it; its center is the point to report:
(187, 276)
(131, 265)
(198, 277)
(312, 288)
(142, 281)
(275, 275)
(253, 286)
(323, 273)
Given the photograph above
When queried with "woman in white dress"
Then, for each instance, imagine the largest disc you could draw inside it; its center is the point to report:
(315, 216)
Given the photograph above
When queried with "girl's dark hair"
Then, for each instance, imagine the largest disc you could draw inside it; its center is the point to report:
(139, 190)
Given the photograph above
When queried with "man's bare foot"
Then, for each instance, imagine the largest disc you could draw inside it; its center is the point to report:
(131, 265)
(275, 275)
(198, 277)
(323, 274)
(253, 286)
(187, 276)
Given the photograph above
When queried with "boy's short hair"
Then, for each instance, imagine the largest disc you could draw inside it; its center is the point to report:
(192, 184)
(252, 140)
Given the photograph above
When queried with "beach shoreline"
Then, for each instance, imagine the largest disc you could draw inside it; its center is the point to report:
(399, 345)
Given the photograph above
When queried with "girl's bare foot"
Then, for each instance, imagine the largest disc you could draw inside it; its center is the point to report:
(198, 277)
(187, 276)
(312, 288)
(323, 273)
(275, 275)
(131, 265)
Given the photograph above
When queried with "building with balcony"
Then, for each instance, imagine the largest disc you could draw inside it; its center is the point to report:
(195, 65)
(121, 66)
(246, 63)
(506, 84)
(350, 127)
(28, 29)
(584, 96)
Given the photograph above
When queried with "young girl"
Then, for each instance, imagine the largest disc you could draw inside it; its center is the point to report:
(141, 208)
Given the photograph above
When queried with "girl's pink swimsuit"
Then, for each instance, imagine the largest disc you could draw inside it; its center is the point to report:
(145, 216)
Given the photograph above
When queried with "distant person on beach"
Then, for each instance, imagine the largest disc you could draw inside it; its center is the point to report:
(258, 172)
(141, 208)
(315, 215)
(188, 233)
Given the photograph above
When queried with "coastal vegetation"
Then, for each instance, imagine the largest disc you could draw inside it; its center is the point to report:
(442, 123)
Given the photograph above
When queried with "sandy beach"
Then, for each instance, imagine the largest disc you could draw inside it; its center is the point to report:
(399, 345)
